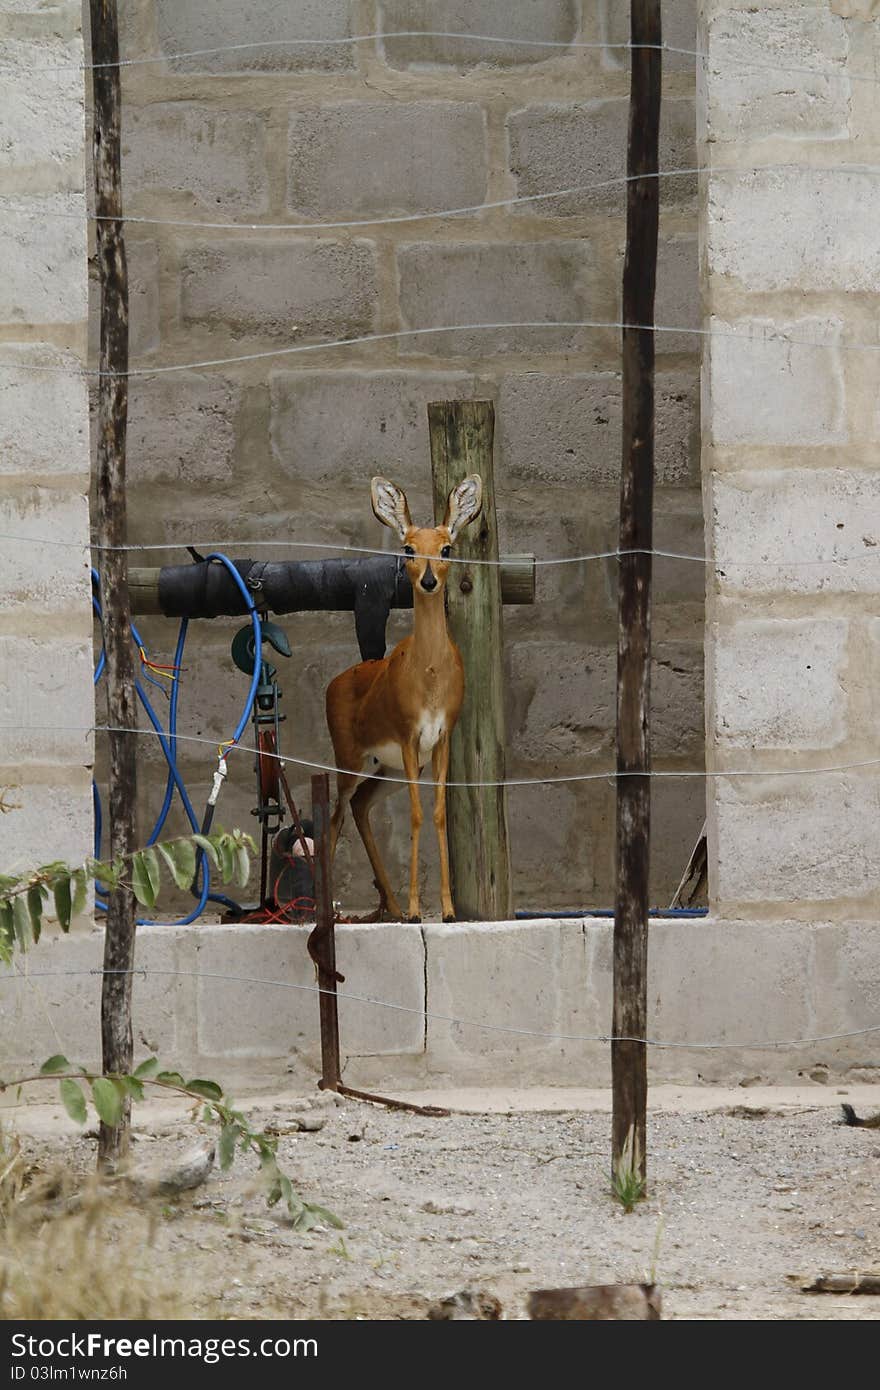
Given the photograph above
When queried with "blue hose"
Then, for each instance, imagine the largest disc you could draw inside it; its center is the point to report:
(168, 744)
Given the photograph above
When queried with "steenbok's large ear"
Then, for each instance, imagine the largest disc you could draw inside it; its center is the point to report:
(390, 506)
(464, 504)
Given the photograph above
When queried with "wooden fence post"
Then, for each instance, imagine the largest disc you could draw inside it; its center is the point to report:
(629, 1070)
(111, 528)
(462, 435)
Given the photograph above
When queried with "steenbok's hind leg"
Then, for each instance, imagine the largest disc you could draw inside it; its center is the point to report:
(366, 796)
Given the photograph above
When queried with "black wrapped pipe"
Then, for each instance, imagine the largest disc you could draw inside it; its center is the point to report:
(368, 587)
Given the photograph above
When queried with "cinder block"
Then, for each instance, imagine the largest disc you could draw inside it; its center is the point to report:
(780, 683)
(560, 144)
(845, 968)
(745, 103)
(769, 384)
(679, 20)
(40, 686)
(283, 288)
(49, 578)
(687, 962)
(564, 702)
(341, 427)
(360, 158)
(209, 158)
(549, 20)
(189, 28)
(384, 962)
(491, 282)
(182, 426)
(40, 137)
(677, 300)
(270, 1021)
(821, 224)
(798, 531)
(47, 820)
(528, 978)
(547, 830)
(61, 1012)
(566, 429)
(43, 431)
(49, 256)
(797, 839)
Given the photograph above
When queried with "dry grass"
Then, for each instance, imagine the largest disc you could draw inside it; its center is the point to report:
(77, 1251)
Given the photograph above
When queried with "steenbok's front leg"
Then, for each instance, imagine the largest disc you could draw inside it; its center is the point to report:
(440, 765)
(412, 770)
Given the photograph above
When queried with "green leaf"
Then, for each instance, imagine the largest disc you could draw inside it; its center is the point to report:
(22, 923)
(61, 895)
(329, 1217)
(74, 1101)
(226, 1147)
(78, 887)
(180, 856)
(141, 879)
(243, 866)
(108, 1101)
(226, 851)
(132, 1086)
(204, 843)
(147, 1068)
(209, 1089)
(171, 1078)
(36, 895)
(55, 1064)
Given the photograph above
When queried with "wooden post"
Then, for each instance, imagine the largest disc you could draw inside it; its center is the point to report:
(322, 941)
(119, 938)
(462, 434)
(629, 1059)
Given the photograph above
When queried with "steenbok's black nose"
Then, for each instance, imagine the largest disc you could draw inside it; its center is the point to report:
(429, 579)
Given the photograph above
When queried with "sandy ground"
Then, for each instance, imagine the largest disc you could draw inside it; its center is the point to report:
(746, 1187)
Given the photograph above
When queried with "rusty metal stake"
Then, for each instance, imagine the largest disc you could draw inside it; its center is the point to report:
(322, 940)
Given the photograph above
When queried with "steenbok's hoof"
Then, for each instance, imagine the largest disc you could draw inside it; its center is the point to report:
(449, 917)
(414, 917)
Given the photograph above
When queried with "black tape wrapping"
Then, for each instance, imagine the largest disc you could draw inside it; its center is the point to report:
(368, 587)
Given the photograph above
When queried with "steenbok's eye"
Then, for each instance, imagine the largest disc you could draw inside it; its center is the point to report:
(446, 552)
(408, 550)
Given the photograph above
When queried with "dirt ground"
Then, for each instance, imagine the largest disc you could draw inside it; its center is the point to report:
(747, 1186)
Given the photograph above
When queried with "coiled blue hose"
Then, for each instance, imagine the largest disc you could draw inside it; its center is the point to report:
(168, 744)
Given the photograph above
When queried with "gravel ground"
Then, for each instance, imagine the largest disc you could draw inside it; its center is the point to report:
(744, 1191)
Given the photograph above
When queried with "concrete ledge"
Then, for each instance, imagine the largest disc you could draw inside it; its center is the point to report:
(725, 983)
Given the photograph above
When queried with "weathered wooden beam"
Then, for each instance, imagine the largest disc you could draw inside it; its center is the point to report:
(629, 1072)
(322, 940)
(462, 435)
(119, 932)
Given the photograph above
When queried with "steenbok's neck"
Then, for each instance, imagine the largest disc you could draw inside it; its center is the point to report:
(429, 633)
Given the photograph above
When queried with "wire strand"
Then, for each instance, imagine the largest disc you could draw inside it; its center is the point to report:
(608, 776)
(41, 214)
(350, 40)
(430, 1015)
(831, 345)
(870, 553)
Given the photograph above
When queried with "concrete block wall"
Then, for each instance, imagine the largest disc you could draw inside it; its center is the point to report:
(501, 1003)
(284, 448)
(792, 279)
(45, 619)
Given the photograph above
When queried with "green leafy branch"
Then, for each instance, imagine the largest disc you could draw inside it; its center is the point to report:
(109, 1095)
(24, 896)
